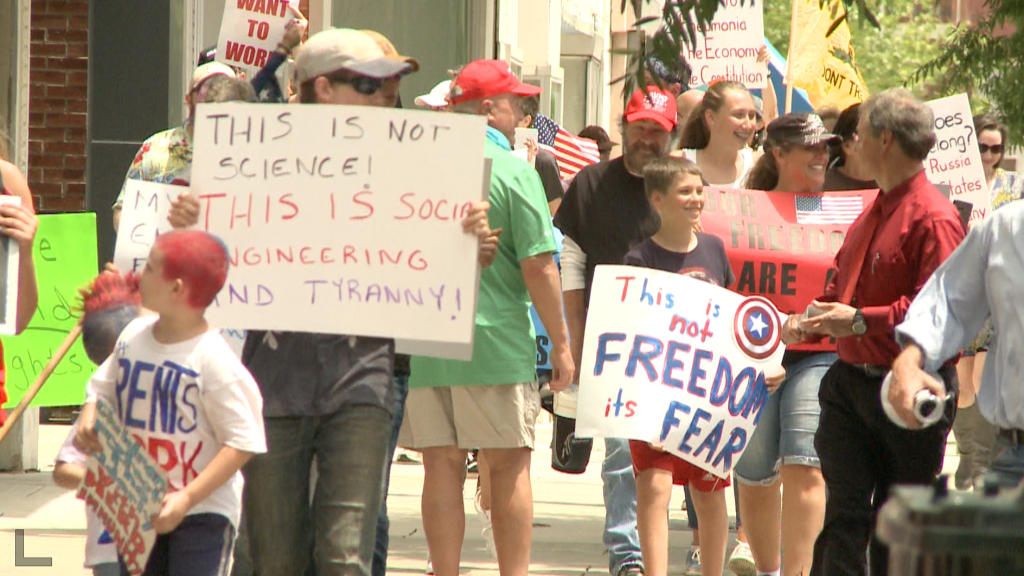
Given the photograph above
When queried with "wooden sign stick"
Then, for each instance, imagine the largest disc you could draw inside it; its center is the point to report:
(30, 394)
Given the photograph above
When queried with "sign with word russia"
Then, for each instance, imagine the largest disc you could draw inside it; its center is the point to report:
(728, 49)
(676, 361)
(343, 220)
(955, 159)
(250, 31)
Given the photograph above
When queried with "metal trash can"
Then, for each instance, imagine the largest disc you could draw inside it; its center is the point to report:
(933, 532)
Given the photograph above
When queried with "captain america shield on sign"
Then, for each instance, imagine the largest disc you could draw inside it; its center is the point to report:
(757, 328)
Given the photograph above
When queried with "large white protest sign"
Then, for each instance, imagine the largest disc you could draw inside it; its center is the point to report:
(143, 218)
(250, 31)
(125, 487)
(955, 160)
(677, 361)
(342, 220)
(728, 48)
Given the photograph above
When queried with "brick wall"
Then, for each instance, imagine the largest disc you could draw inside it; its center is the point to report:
(57, 104)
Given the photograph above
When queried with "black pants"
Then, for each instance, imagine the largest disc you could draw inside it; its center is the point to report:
(862, 455)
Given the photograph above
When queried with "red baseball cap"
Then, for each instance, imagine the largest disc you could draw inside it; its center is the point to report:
(657, 105)
(485, 78)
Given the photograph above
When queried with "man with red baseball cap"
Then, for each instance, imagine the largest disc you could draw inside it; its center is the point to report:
(605, 212)
(492, 401)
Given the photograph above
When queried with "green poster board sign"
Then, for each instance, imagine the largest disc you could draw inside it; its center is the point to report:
(65, 258)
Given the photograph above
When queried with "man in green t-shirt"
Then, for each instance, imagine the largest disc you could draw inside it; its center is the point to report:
(492, 401)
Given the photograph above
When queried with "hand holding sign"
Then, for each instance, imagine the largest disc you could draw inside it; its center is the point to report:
(123, 485)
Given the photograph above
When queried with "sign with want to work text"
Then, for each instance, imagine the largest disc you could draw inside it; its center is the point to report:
(250, 31)
(728, 49)
(677, 361)
(343, 220)
(955, 159)
(125, 487)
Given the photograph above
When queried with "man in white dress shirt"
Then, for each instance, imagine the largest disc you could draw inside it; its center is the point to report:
(981, 279)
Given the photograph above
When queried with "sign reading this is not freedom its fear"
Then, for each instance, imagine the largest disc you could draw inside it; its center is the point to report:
(955, 159)
(343, 220)
(728, 49)
(677, 361)
(250, 31)
(125, 487)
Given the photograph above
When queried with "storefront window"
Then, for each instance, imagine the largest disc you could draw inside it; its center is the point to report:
(436, 33)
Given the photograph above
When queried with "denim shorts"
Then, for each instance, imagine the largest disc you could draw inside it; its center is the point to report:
(785, 434)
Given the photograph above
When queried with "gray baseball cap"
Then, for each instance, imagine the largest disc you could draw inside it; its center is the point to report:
(345, 49)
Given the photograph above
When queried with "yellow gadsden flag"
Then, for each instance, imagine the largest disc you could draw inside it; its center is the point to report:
(823, 65)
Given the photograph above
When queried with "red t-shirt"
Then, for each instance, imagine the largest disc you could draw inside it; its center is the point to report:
(917, 230)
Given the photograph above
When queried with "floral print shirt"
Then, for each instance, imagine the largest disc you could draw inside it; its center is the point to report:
(165, 157)
(1007, 186)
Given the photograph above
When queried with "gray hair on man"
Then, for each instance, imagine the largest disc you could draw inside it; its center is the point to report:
(911, 121)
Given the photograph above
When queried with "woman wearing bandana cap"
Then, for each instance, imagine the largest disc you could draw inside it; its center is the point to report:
(782, 447)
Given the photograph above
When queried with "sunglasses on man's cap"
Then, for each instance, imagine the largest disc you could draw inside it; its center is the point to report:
(363, 84)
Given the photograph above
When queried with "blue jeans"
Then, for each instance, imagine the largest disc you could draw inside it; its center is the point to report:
(789, 420)
(1008, 463)
(283, 529)
(380, 550)
(620, 536)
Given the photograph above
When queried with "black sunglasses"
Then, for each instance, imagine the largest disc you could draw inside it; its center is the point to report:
(996, 148)
(362, 84)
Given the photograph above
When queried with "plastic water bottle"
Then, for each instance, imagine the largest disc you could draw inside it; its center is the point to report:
(565, 401)
(928, 408)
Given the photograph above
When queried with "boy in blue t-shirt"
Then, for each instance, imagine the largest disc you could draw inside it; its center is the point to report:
(676, 192)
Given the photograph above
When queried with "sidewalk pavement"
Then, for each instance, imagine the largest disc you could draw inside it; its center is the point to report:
(568, 518)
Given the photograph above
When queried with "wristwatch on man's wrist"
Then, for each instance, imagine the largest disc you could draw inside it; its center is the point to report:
(859, 326)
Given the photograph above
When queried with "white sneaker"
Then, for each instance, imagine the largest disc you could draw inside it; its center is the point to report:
(693, 562)
(485, 519)
(741, 561)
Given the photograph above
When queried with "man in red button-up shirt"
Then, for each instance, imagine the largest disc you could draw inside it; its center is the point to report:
(890, 252)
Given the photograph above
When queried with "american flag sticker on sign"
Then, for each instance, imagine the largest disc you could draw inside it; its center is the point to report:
(821, 209)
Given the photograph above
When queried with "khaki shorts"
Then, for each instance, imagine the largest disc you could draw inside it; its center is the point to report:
(497, 416)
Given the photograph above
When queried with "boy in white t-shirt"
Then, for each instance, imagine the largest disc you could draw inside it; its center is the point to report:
(100, 550)
(183, 394)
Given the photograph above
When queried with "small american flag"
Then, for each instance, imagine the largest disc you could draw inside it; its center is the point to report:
(821, 209)
(546, 130)
(573, 153)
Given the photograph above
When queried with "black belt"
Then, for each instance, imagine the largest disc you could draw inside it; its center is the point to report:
(1015, 436)
(871, 370)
